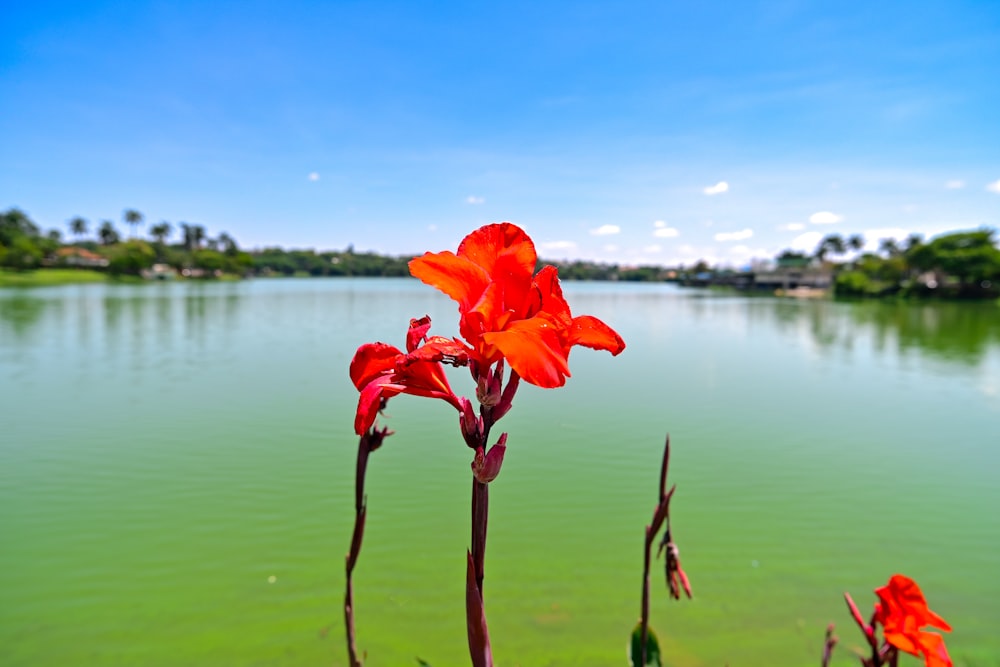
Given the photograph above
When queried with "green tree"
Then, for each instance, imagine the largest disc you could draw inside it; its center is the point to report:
(228, 244)
(831, 243)
(161, 231)
(78, 227)
(14, 223)
(193, 236)
(889, 247)
(23, 253)
(130, 258)
(133, 219)
(972, 257)
(107, 233)
(209, 260)
(855, 242)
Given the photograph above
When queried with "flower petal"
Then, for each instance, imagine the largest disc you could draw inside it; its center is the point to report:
(372, 360)
(461, 279)
(595, 334)
(370, 401)
(533, 349)
(500, 248)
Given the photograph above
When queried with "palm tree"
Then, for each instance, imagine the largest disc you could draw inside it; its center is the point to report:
(133, 218)
(856, 242)
(832, 243)
(193, 236)
(78, 227)
(197, 235)
(889, 247)
(107, 233)
(228, 244)
(161, 231)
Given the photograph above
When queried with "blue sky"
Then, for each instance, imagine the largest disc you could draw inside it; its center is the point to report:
(655, 132)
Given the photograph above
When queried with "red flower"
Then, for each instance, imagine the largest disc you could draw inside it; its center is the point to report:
(903, 612)
(507, 311)
(381, 371)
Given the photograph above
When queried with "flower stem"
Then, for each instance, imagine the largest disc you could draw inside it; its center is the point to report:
(478, 633)
(368, 443)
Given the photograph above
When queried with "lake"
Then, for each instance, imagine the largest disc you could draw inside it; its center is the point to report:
(177, 478)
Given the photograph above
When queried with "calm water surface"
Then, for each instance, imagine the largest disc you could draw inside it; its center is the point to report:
(177, 477)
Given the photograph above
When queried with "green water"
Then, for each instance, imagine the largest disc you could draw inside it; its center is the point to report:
(176, 479)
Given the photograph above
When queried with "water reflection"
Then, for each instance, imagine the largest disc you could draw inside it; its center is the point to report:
(963, 333)
(153, 318)
(20, 313)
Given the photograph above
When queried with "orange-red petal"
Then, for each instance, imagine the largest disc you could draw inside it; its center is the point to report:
(500, 248)
(372, 360)
(595, 334)
(460, 278)
(533, 348)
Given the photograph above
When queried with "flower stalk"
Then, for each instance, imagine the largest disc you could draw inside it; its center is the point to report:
(676, 577)
(368, 442)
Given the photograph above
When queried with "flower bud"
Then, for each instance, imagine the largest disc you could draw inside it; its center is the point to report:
(471, 424)
(486, 468)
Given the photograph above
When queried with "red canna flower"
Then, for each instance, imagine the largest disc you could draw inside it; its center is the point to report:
(903, 611)
(507, 311)
(380, 371)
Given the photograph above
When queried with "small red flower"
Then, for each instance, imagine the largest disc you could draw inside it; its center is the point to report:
(381, 371)
(507, 311)
(903, 611)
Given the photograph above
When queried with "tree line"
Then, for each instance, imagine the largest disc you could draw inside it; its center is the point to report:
(962, 263)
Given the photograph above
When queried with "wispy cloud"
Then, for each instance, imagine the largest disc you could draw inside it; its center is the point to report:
(313, 176)
(741, 235)
(558, 245)
(807, 242)
(661, 230)
(994, 186)
(473, 199)
(652, 249)
(825, 218)
(955, 185)
(606, 230)
(792, 227)
(717, 189)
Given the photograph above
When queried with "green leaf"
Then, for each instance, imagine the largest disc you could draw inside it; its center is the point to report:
(652, 648)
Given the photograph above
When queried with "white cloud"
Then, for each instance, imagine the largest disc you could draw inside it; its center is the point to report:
(473, 199)
(611, 247)
(314, 176)
(994, 186)
(664, 232)
(734, 236)
(955, 185)
(606, 230)
(558, 245)
(807, 242)
(717, 189)
(792, 227)
(652, 249)
(825, 218)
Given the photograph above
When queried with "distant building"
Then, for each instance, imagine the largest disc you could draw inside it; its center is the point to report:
(791, 273)
(159, 272)
(73, 256)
